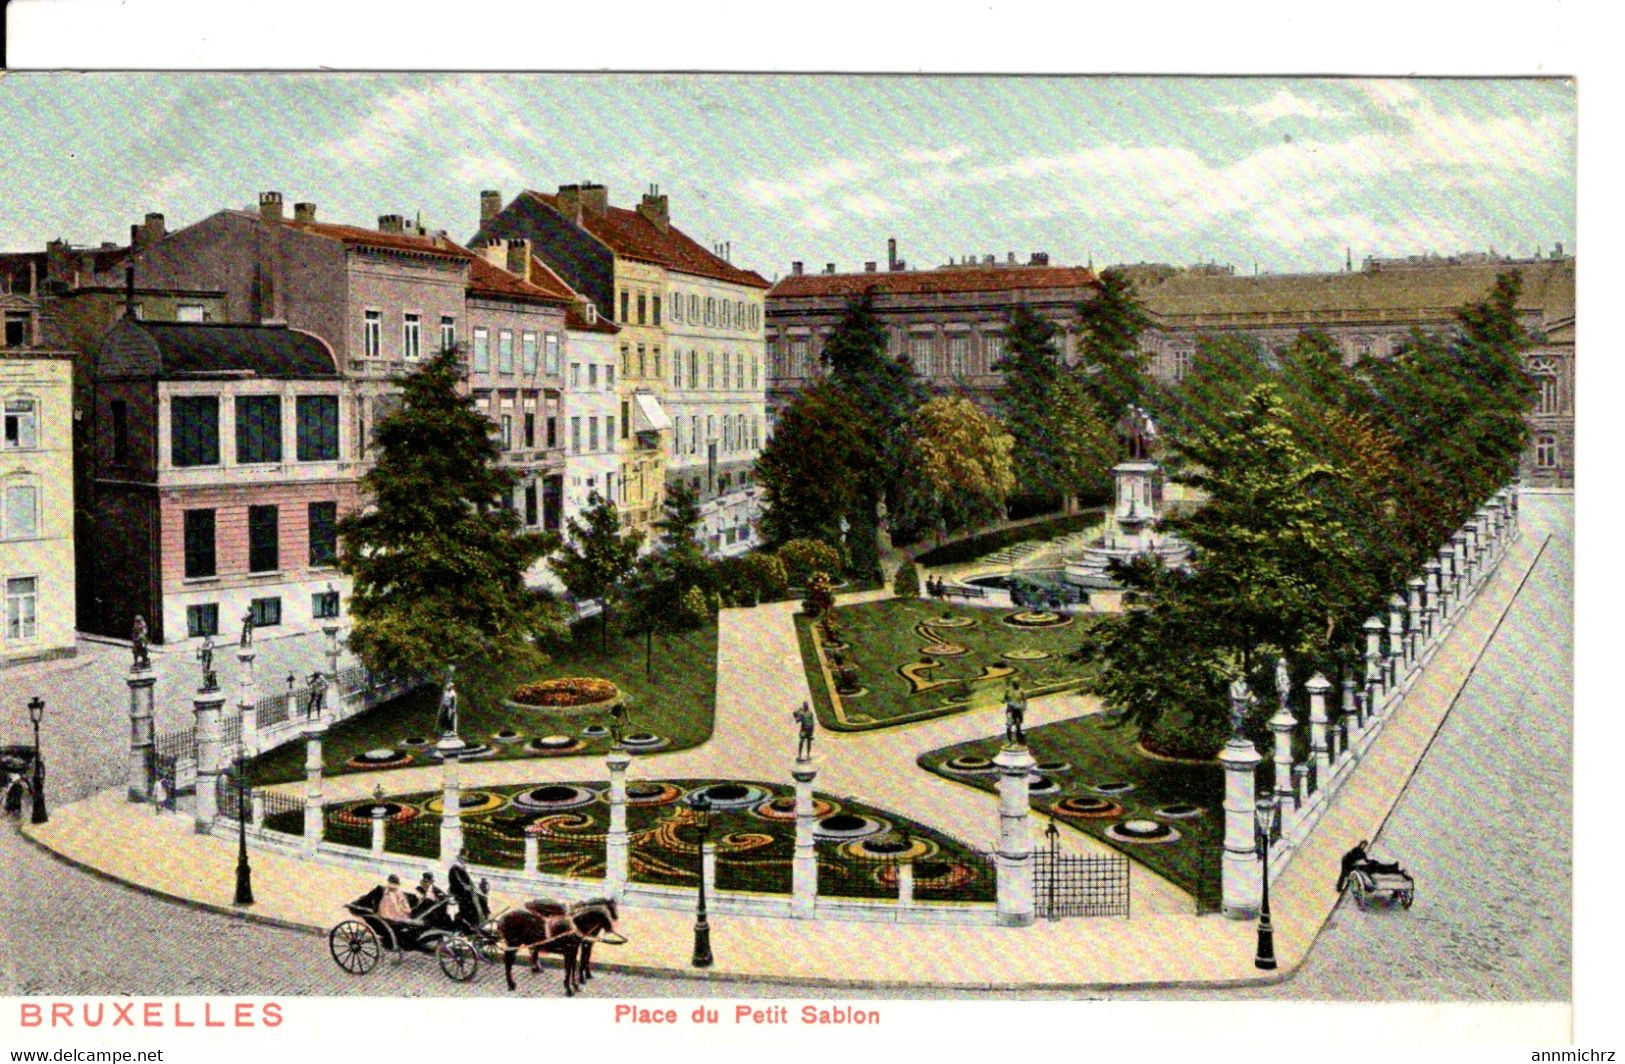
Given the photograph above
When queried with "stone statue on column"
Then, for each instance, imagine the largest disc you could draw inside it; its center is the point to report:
(247, 637)
(205, 657)
(138, 645)
(446, 718)
(1283, 683)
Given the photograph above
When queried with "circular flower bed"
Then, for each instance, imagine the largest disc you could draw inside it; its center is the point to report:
(892, 844)
(595, 731)
(568, 692)
(1142, 832)
(1042, 785)
(506, 735)
(1091, 808)
(645, 792)
(549, 745)
(469, 802)
(955, 701)
(363, 813)
(1180, 811)
(1114, 787)
(784, 808)
(1025, 654)
(470, 752)
(1037, 619)
(969, 763)
(932, 875)
(644, 741)
(380, 758)
(948, 620)
(849, 826)
(416, 742)
(731, 795)
(944, 650)
(1053, 766)
(554, 796)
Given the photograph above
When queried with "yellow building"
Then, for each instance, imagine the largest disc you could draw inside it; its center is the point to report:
(642, 424)
(36, 490)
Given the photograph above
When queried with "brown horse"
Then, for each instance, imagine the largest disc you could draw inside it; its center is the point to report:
(544, 926)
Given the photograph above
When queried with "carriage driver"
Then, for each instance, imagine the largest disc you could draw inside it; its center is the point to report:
(471, 904)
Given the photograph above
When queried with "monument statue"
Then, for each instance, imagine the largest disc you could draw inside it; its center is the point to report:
(1015, 714)
(1136, 431)
(318, 695)
(247, 638)
(1283, 682)
(446, 719)
(1240, 699)
(138, 644)
(808, 724)
(205, 657)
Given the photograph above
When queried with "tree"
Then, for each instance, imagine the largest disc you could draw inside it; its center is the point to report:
(817, 466)
(1227, 368)
(906, 584)
(1113, 367)
(679, 528)
(597, 557)
(438, 558)
(961, 469)
(1085, 445)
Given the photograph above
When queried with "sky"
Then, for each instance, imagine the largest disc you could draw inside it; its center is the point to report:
(1277, 174)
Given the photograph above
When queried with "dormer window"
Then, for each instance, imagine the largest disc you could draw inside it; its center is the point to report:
(19, 328)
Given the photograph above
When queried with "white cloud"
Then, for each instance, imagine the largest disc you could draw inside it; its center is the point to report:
(468, 104)
(1284, 104)
(808, 184)
(934, 156)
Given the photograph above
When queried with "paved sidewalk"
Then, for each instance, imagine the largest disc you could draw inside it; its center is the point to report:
(1164, 944)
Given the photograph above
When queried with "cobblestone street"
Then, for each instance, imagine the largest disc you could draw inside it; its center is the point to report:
(1484, 826)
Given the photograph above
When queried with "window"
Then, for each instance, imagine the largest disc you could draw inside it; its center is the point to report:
(189, 312)
(710, 370)
(317, 428)
(198, 543)
(532, 516)
(656, 353)
(958, 355)
(20, 519)
(800, 363)
(694, 434)
(448, 332)
(324, 532)
(482, 350)
(505, 432)
(575, 435)
(755, 369)
(372, 333)
(626, 419)
(551, 366)
(22, 607)
(1183, 362)
(194, 431)
(552, 431)
(324, 605)
(626, 306)
(592, 375)
(626, 360)
(22, 424)
(412, 335)
(656, 305)
(202, 620)
(259, 429)
(643, 306)
(575, 374)
(676, 306)
(17, 329)
(530, 430)
(505, 351)
(993, 349)
(643, 366)
(710, 310)
(727, 314)
(527, 349)
(676, 435)
(592, 434)
(693, 369)
(919, 353)
(609, 376)
(266, 612)
(1546, 451)
(609, 431)
(121, 430)
(1549, 401)
(262, 539)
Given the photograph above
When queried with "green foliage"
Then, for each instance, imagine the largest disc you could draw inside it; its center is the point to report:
(438, 561)
(818, 465)
(1227, 368)
(906, 584)
(802, 558)
(972, 547)
(862, 547)
(598, 556)
(749, 579)
(694, 609)
(1115, 371)
(679, 528)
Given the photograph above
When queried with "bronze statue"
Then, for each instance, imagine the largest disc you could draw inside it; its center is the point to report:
(1136, 430)
(318, 695)
(205, 657)
(809, 723)
(138, 644)
(1015, 714)
(247, 638)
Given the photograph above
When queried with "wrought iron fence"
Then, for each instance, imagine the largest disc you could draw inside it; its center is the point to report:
(356, 678)
(231, 729)
(487, 845)
(176, 745)
(272, 709)
(346, 829)
(1067, 884)
(418, 837)
(284, 813)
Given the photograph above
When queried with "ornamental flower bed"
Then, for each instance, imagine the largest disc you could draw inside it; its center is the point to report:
(569, 692)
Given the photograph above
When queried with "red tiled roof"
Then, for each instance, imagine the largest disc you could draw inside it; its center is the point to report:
(575, 319)
(912, 282)
(355, 234)
(487, 279)
(631, 235)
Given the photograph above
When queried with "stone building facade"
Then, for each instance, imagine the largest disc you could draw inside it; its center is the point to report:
(1372, 311)
(948, 322)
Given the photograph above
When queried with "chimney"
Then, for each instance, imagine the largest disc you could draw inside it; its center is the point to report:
(795, 269)
(891, 253)
(304, 212)
(988, 260)
(153, 227)
(138, 236)
(869, 267)
(1557, 251)
(594, 199)
(490, 205)
(1009, 258)
(391, 223)
(655, 207)
(271, 206)
(519, 258)
(129, 292)
(829, 267)
(569, 202)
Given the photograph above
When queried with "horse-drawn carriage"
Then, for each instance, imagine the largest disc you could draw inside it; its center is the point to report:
(459, 940)
(1390, 883)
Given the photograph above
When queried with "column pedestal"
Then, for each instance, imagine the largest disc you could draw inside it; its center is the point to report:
(206, 709)
(1014, 859)
(617, 849)
(451, 820)
(1241, 883)
(804, 871)
(314, 822)
(141, 752)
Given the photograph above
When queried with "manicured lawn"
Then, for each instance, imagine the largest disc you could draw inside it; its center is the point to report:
(1099, 753)
(885, 638)
(754, 851)
(678, 703)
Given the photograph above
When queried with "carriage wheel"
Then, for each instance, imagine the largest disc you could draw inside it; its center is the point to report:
(458, 958)
(1408, 897)
(354, 947)
(1360, 898)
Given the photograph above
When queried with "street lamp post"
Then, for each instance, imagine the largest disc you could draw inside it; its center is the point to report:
(1053, 835)
(245, 874)
(36, 713)
(1268, 812)
(702, 927)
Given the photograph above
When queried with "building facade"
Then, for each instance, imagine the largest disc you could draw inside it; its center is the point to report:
(948, 322)
(633, 265)
(219, 477)
(37, 565)
(1372, 312)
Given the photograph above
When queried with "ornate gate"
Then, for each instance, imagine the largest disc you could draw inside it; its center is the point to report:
(1072, 885)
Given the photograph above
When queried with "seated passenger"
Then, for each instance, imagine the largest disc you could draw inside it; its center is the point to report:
(393, 904)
